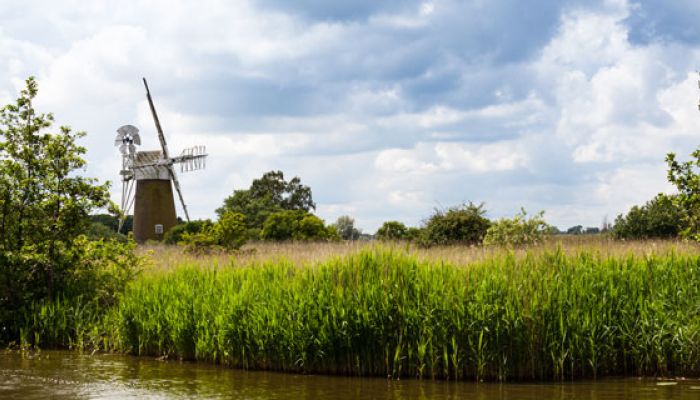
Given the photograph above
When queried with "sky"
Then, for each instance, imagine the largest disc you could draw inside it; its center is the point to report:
(386, 109)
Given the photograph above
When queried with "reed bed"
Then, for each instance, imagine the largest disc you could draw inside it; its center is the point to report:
(575, 310)
(303, 253)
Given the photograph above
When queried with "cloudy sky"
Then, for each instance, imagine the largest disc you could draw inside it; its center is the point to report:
(386, 109)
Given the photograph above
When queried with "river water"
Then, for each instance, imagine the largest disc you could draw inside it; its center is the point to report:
(69, 375)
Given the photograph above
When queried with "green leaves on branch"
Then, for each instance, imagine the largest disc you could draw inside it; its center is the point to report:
(465, 224)
(44, 209)
(518, 231)
(228, 233)
(660, 217)
(296, 225)
(268, 195)
(687, 181)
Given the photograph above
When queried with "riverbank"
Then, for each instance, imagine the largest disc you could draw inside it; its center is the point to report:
(384, 311)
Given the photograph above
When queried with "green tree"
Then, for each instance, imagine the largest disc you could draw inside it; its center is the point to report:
(392, 230)
(231, 230)
(296, 225)
(465, 224)
(687, 181)
(345, 226)
(44, 212)
(175, 234)
(659, 217)
(268, 195)
(518, 231)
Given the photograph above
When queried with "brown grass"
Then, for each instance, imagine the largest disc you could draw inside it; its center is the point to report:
(301, 253)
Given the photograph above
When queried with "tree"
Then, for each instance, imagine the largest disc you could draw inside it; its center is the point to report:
(463, 224)
(392, 230)
(44, 212)
(659, 217)
(345, 226)
(268, 195)
(687, 181)
(175, 234)
(295, 225)
(575, 230)
(518, 231)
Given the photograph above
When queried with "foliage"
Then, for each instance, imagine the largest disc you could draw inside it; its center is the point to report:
(660, 217)
(268, 195)
(296, 225)
(545, 315)
(174, 234)
(231, 230)
(518, 231)
(392, 230)
(228, 233)
(575, 230)
(44, 211)
(464, 224)
(112, 222)
(687, 181)
(345, 226)
(99, 231)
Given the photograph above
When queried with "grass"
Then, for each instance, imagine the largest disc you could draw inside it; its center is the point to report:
(303, 253)
(562, 310)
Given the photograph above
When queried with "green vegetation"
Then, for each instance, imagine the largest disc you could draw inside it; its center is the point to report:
(228, 233)
(175, 234)
(464, 224)
(383, 312)
(44, 215)
(268, 195)
(658, 218)
(392, 230)
(687, 181)
(345, 226)
(518, 231)
(296, 225)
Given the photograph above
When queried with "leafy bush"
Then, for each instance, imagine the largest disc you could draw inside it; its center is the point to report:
(174, 234)
(392, 230)
(231, 230)
(44, 208)
(296, 225)
(345, 227)
(99, 231)
(228, 233)
(687, 181)
(660, 217)
(518, 230)
(267, 195)
(464, 224)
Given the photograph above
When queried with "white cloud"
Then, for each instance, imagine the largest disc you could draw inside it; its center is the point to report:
(384, 116)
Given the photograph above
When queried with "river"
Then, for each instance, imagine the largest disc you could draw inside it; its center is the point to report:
(70, 375)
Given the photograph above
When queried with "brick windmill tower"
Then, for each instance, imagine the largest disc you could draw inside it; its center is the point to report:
(152, 172)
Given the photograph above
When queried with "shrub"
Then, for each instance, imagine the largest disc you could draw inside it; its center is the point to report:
(464, 224)
(174, 234)
(231, 231)
(518, 230)
(228, 233)
(392, 230)
(44, 208)
(345, 228)
(660, 217)
(295, 225)
(98, 231)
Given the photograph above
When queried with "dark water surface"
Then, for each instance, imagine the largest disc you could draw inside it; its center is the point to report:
(68, 375)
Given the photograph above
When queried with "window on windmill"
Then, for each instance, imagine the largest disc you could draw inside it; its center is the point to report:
(159, 229)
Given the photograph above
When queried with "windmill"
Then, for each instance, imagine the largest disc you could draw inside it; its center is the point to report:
(151, 172)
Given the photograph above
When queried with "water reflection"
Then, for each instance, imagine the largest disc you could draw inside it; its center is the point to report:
(66, 375)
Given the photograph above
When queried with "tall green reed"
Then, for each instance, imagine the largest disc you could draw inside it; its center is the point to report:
(382, 312)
